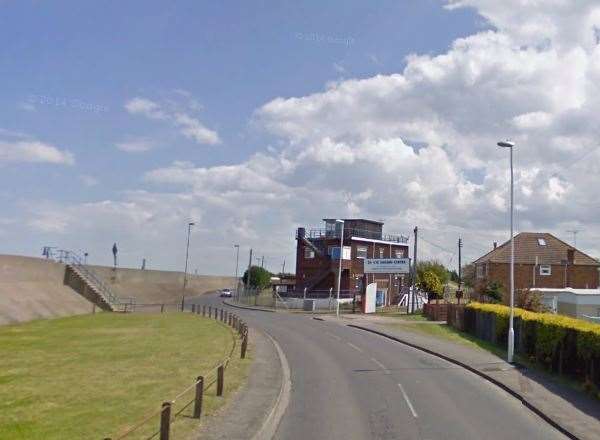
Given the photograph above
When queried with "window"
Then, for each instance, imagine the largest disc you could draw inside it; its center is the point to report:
(541, 241)
(381, 252)
(334, 252)
(545, 269)
(480, 271)
(308, 253)
(399, 253)
(361, 252)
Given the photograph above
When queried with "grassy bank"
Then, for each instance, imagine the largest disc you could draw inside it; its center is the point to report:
(93, 376)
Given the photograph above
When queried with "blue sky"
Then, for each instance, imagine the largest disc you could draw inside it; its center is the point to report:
(69, 70)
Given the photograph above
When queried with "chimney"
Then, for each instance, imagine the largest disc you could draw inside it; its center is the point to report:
(495, 245)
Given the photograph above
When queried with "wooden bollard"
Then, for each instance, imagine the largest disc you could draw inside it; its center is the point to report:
(220, 380)
(221, 318)
(193, 308)
(229, 319)
(244, 346)
(210, 311)
(198, 397)
(165, 421)
(203, 310)
(162, 308)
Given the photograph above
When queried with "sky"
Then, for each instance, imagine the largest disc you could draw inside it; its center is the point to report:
(123, 121)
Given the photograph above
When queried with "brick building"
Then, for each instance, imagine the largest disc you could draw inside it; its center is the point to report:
(541, 260)
(318, 251)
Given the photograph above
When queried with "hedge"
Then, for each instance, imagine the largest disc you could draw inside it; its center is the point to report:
(560, 343)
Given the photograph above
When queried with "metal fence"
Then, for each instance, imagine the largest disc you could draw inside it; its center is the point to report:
(318, 300)
(191, 397)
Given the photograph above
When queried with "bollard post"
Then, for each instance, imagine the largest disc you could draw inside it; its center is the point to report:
(198, 398)
(210, 311)
(193, 308)
(244, 345)
(165, 421)
(203, 310)
(221, 315)
(220, 380)
(229, 319)
(162, 308)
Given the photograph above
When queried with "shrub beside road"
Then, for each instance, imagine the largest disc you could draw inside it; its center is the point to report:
(95, 375)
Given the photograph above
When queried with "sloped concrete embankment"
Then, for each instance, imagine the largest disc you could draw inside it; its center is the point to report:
(158, 286)
(33, 288)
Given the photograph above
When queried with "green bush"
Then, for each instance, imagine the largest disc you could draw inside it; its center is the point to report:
(431, 284)
(558, 342)
(260, 278)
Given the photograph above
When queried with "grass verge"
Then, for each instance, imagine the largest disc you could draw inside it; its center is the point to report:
(93, 376)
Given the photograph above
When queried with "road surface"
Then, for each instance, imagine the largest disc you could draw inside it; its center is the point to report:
(350, 384)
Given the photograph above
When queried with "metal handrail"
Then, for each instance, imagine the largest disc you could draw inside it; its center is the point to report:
(355, 232)
(70, 257)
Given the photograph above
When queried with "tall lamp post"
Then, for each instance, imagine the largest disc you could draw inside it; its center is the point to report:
(187, 251)
(237, 260)
(339, 279)
(511, 331)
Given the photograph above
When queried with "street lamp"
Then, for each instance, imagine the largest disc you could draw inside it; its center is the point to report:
(339, 280)
(511, 331)
(237, 259)
(187, 251)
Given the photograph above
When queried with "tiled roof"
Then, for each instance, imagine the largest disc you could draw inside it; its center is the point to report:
(527, 247)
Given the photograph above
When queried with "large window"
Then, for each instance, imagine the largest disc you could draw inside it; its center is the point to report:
(381, 252)
(361, 252)
(334, 252)
(545, 269)
(308, 253)
(399, 253)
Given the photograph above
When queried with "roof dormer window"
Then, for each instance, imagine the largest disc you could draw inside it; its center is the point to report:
(541, 241)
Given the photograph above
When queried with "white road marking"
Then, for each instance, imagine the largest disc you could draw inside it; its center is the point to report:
(334, 336)
(383, 367)
(412, 410)
(354, 346)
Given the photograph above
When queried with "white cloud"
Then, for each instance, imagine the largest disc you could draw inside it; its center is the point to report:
(28, 150)
(189, 126)
(135, 145)
(88, 180)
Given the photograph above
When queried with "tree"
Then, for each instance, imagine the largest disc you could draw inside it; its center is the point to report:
(494, 291)
(431, 284)
(468, 275)
(433, 266)
(260, 278)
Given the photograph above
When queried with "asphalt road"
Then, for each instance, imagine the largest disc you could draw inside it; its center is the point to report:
(349, 384)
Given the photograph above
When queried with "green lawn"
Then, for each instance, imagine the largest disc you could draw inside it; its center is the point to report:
(93, 376)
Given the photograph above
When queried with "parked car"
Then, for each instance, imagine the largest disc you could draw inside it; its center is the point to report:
(226, 293)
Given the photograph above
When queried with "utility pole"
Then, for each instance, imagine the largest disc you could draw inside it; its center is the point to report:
(248, 273)
(459, 263)
(414, 286)
(262, 262)
(283, 266)
(187, 251)
(237, 260)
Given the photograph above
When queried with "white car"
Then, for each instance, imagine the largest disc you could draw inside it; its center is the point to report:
(226, 293)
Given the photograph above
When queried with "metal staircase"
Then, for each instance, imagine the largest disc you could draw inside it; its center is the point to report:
(84, 280)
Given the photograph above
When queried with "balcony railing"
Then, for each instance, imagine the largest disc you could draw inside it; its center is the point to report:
(354, 232)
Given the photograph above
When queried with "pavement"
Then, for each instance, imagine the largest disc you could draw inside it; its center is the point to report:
(348, 383)
(254, 410)
(573, 410)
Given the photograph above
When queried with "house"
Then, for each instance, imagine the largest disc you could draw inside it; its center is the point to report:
(283, 283)
(318, 253)
(541, 261)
